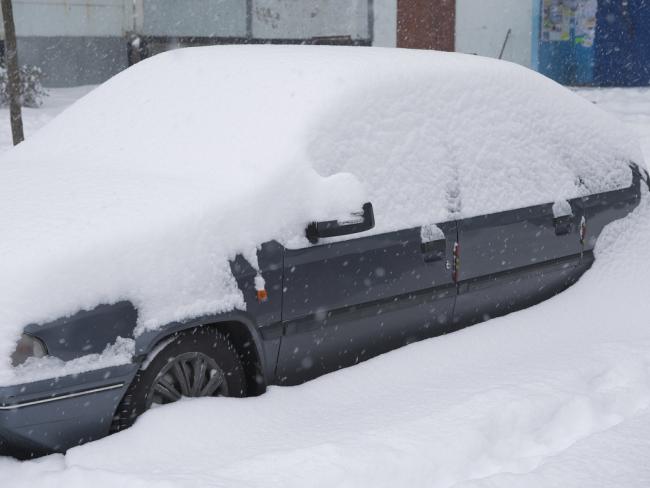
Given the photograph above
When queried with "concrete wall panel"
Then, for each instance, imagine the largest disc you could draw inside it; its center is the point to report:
(482, 25)
(304, 19)
(79, 18)
(72, 61)
(385, 12)
(201, 18)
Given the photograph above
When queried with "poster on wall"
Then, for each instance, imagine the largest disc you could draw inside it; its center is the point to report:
(586, 22)
(556, 20)
(561, 18)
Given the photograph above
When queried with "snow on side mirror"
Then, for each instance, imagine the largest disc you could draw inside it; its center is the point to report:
(332, 228)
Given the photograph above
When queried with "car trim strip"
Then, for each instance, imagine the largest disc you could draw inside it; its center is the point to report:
(61, 397)
(570, 261)
(308, 322)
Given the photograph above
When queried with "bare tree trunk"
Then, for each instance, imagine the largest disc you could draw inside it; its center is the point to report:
(13, 75)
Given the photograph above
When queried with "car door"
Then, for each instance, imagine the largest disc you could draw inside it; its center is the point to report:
(513, 259)
(346, 301)
(603, 208)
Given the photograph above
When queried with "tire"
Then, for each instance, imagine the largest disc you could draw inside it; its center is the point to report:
(196, 363)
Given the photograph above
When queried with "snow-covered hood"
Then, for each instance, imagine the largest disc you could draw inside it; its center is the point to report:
(145, 188)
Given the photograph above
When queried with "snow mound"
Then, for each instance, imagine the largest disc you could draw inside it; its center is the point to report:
(146, 187)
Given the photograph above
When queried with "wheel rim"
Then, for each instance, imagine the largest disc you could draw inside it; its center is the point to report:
(191, 374)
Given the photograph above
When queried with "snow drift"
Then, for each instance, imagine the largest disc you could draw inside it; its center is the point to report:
(147, 186)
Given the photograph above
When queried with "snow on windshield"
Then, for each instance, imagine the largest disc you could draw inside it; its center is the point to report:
(145, 188)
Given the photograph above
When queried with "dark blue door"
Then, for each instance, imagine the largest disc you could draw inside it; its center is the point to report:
(622, 44)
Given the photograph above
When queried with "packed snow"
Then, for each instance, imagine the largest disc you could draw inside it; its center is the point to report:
(554, 396)
(562, 208)
(631, 105)
(146, 187)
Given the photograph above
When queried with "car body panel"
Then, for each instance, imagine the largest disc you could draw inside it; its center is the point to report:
(512, 259)
(87, 331)
(601, 209)
(350, 300)
(264, 342)
(55, 414)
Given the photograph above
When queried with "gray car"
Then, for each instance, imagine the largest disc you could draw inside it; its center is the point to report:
(196, 226)
(317, 314)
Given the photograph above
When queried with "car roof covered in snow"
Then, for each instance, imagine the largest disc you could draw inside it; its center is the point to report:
(144, 188)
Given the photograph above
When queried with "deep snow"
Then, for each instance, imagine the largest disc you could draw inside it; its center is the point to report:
(146, 188)
(554, 396)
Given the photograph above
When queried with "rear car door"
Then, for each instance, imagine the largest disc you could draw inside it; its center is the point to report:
(600, 209)
(346, 301)
(513, 259)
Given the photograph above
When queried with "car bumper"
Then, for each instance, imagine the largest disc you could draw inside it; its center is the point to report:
(53, 415)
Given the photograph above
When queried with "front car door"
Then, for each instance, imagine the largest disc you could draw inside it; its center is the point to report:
(349, 300)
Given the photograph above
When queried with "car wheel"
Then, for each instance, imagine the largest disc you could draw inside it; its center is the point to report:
(197, 363)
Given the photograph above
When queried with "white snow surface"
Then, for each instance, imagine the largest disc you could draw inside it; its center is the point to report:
(145, 188)
(431, 232)
(562, 208)
(554, 396)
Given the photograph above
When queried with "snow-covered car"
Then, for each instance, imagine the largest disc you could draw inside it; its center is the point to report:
(216, 220)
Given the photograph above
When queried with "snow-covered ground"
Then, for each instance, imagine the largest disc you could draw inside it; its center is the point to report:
(631, 105)
(557, 395)
(35, 118)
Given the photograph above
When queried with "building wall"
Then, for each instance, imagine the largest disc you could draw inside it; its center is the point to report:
(305, 19)
(204, 18)
(482, 25)
(85, 41)
(269, 19)
(426, 24)
(385, 25)
(74, 61)
(74, 42)
(78, 18)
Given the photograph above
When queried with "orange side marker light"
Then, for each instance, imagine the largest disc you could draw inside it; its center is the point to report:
(262, 295)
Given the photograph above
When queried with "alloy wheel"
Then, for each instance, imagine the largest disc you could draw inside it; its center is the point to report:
(191, 374)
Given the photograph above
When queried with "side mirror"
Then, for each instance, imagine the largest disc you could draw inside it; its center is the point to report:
(332, 228)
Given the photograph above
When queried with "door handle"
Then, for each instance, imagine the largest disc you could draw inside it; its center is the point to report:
(434, 250)
(563, 225)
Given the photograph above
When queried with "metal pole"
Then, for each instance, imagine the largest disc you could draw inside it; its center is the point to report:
(505, 42)
(371, 21)
(249, 20)
(13, 75)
